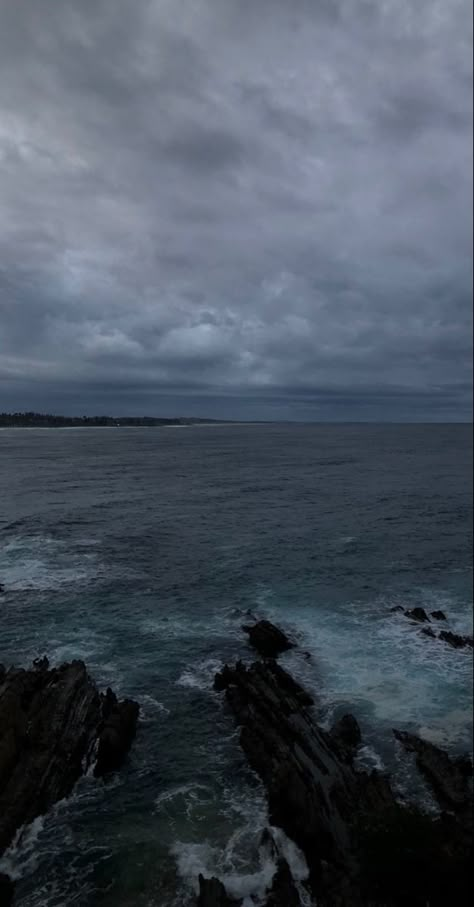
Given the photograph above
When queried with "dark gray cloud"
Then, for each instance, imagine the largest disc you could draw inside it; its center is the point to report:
(236, 208)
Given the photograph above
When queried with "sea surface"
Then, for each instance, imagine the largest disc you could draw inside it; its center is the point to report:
(140, 550)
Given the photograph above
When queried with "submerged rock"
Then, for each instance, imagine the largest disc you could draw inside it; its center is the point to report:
(212, 893)
(456, 641)
(50, 719)
(427, 631)
(267, 639)
(397, 609)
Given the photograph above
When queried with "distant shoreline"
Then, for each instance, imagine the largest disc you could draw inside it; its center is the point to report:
(47, 420)
(126, 425)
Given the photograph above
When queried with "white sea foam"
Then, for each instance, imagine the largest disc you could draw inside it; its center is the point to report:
(381, 664)
(200, 676)
(192, 795)
(368, 759)
(22, 856)
(40, 563)
(149, 706)
(250, 885)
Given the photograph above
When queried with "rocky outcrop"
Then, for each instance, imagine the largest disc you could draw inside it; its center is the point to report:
(267, 639)
(456, 641)
(339, 817)
(311, 790)
(6, 890)
(418, 614)
(212, 893)
(115, 738)
(50, 720)
(346, 736)
(283, 892)
(450, 779)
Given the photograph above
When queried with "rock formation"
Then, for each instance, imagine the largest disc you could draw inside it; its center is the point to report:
(267, 639)
(455, 640)
(212, 893)
(417, 614)
(50, 722)
(362, 847)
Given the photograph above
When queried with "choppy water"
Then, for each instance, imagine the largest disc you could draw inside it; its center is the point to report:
(137, 549)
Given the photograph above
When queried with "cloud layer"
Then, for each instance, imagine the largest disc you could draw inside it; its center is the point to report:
(225, 207)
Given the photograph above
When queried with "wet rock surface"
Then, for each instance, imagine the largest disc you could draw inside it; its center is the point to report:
(418, 614)
(338, 816)
(346, 736)
(212, 893)
(116, 737)
(6, 890)
(283, 892)
(450, 779)
(267, 639)
(50, 720)
(455, 640)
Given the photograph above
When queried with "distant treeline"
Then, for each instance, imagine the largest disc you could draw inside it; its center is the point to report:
(46, 420)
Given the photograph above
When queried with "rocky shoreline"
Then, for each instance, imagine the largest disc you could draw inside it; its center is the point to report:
(54, 724)
(363, 848)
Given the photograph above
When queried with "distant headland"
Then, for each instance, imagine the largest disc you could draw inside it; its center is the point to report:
(46, 420)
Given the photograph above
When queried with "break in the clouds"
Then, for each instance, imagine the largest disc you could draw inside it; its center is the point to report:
(230, 207)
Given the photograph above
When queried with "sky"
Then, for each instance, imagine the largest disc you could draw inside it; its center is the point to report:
(246, 209)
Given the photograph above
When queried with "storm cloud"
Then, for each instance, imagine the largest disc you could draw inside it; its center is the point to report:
(236, 208)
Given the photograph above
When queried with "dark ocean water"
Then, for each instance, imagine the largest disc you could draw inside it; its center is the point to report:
(138, 549)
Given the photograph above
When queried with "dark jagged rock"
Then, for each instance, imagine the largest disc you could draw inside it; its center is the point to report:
(222, 679)
(212, 893)
(438, 615)
(6, 890)
(117, 734)
(418, 614)
(50, 719)
(2, 589)
(427, 631)
(267, 639)
(347, 736)
(456, 641)
(450, 834)
(451, 779)
(283, 892)
(338, 816)
(312, 792)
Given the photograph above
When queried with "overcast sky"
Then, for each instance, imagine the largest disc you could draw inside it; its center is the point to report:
(242, 208)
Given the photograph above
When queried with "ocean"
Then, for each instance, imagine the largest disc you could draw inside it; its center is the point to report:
(140, 550)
